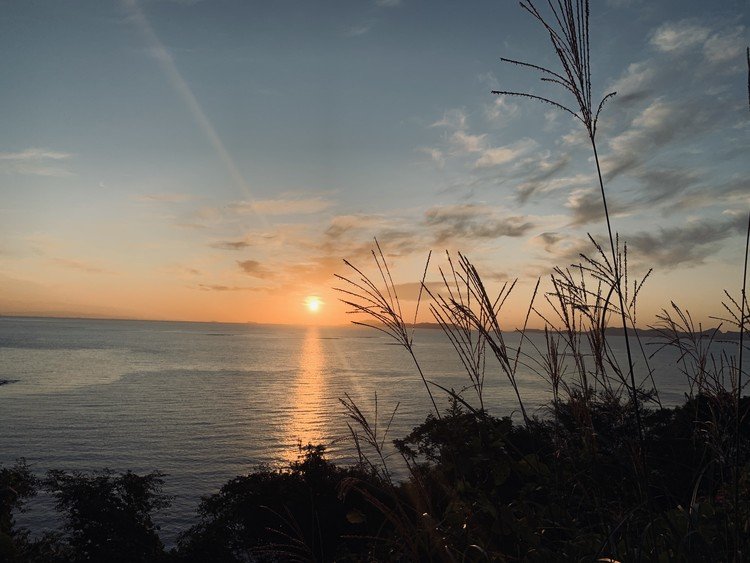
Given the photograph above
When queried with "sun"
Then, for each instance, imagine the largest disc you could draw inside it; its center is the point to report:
(313, 303)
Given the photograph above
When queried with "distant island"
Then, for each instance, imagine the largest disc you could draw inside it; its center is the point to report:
(714, 333)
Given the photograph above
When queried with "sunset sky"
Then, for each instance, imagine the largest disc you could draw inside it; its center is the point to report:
(217, 159)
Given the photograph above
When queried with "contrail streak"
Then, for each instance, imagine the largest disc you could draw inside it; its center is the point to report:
(164, 57)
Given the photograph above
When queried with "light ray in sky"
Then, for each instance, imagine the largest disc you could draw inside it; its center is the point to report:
(166, 61)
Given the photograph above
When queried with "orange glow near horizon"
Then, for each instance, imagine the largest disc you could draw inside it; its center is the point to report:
(57, 291)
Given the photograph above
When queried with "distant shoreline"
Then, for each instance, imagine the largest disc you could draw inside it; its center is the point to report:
(618, 331)
(613, 331)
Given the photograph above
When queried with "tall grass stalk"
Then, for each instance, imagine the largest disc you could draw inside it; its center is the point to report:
(568, 30)
(470, 345)
(383, 306)
(484, 318)
(739, 362)
(738, 416)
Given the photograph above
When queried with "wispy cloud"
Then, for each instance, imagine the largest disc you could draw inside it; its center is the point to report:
(80, 265)
(346, 225)
(467, 143)
(585, 205)
(162, 198)
(358, 30)
(687, 245)
(181, 271)
(436, 155)
(495, 156)
(675, 37)
(658, 124)
(501, 111)
(240, 244)
(725, 45)
(664, 185)
(215, 287)
(34, 154)
(453, 119)
(202, 218)
(411, 291)
(254, 268)
(542, 172)
(282, 206)
(461, 143)
(35, 162)
(634, 84)
(561, 248)
(452, 223)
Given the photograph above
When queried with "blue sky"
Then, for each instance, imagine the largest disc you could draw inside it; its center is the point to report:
(215, 159)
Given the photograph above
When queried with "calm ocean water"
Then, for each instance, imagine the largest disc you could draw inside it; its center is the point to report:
(204, 402)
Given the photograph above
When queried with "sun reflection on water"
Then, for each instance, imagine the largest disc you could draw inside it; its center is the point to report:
(307, 397)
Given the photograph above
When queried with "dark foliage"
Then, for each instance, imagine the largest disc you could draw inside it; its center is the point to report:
(17, 484)
(295, 514)
(108, 515)
(563, 488)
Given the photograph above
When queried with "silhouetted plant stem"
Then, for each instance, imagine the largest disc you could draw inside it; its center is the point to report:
(383, 306)
(424, 380)
(743, 301)
(568, 31)
(618, 290)
(739, 383)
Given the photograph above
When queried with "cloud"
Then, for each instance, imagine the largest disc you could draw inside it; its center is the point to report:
(182, 271)
(659, 124)
(282, 206)
(346, 225)
(634, 84)
(501, 111)
(254, 268)
(725, 46)
(201, 218)
(452, 119)
(358, 30)
(34, 154)
(35, 162)
(658, 188)
(547, 240)
(162, 198)
(80, 265)
(730, 192)
(663, 185)
(179, 2)
(685, 245)
(666, 189)
(674, 37)
(410, 291)
(496, 156)
(540, 172)
(466, 142)
(352, 236)
(387, 3)
(210, 287)
(564, 249)
(241, 244)
(452, 223)
(586, 206)
(436, 155)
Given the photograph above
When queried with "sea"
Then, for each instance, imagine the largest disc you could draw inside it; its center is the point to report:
(205, 402)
